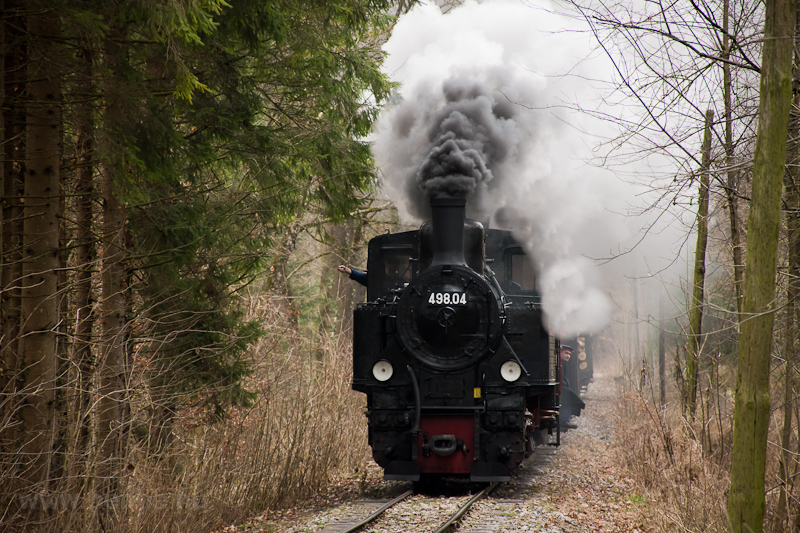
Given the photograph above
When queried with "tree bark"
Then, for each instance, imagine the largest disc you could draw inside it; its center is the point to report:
(39, 308)
(110, 364)
(13, 110)
(84, 265)
(696, 305)
(792, 203)
(279, 283)
(110, 367)
(731, 186)
(793, 230)
(746, 500)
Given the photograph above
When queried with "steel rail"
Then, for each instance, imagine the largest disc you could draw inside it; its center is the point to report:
(464, 508)
(379, 511)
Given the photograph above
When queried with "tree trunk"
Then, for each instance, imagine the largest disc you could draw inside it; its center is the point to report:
(696, 305)
(792, 200)
(637, 348)
(13, 110)
(792, 203)
(731, 186)
(331, 285)
(84, 265)
(279, 283)
(337, 287)
(662, 351)
(37, 345)
(746, 500)
(110, 365)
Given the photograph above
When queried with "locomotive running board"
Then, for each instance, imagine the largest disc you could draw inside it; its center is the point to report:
(483, 472)
(402, 471)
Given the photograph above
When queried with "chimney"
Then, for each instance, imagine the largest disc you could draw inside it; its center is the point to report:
(447, 219)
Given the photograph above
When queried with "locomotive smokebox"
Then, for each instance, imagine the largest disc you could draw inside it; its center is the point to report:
(447, 218)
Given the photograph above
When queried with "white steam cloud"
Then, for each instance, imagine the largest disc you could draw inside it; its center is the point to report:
(487, 109)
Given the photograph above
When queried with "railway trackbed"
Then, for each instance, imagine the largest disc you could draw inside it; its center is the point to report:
(410, 514)
(578, 488)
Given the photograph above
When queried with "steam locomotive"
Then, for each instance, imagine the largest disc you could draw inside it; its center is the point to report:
(461, 375)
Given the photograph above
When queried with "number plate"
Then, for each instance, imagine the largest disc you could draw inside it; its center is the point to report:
(447, 298)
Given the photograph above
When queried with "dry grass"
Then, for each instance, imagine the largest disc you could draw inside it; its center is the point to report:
(683, 464)
(305, 430)
(663, 453)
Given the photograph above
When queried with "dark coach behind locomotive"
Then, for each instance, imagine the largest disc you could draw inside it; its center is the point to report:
(579, 371)
(459, 372)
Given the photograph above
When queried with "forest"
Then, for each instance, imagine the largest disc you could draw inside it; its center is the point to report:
(181, 178)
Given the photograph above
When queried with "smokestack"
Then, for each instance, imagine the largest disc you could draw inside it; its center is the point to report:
(447, 218)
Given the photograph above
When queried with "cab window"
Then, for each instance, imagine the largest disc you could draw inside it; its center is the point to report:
(521, 276)
(396, 268)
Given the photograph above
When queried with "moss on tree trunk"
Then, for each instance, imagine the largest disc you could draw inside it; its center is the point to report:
(746, 500)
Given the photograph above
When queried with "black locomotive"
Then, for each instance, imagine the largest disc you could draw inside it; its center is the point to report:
(460, 373)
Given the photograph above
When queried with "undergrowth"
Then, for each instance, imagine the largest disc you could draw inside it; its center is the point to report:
(682, 463)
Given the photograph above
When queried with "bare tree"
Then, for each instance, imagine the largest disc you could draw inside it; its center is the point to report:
(731, 187)
(696, 302)
(746, 501)
(788, 462)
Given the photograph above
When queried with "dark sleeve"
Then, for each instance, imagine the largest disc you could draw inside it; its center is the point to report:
(360, 277)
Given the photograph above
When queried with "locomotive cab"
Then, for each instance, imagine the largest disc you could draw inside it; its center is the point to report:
(391, 263)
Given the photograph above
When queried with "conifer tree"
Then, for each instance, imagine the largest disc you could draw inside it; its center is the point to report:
(198, 133)
(40, 242)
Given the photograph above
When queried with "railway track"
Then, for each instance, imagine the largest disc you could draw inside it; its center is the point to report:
(353, 524)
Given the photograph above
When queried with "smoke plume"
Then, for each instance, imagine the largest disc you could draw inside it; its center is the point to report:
(490, 108)
(466, 140)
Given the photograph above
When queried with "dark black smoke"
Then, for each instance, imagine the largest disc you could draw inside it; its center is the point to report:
(453, 168)
(467, 139)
